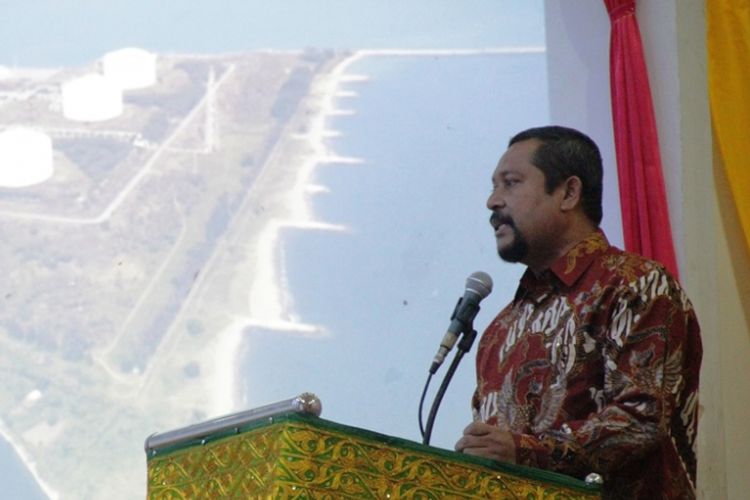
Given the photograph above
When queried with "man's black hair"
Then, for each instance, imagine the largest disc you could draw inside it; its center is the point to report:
(566, 152)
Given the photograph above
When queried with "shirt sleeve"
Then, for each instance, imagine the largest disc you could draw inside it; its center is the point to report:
(651, 354)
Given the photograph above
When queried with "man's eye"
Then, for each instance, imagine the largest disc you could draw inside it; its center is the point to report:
(510, 182)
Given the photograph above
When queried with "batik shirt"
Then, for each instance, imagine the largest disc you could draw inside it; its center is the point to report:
(594, 368)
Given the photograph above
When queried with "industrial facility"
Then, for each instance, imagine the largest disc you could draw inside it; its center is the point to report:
(25, 157)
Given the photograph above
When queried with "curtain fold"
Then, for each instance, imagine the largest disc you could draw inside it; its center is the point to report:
(728, 41)
(643, 201)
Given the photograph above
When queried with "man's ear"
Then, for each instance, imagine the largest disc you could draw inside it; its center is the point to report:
(572, 192)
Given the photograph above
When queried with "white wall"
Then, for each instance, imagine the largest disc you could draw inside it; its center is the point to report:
(578, 71)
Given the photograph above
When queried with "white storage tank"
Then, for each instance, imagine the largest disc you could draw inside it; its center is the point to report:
(91, 98)
(130, 68)
(25, 157)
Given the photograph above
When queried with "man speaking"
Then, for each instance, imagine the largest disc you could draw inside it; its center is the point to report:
(593, 367)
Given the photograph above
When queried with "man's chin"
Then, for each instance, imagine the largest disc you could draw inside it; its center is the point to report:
(513, 252)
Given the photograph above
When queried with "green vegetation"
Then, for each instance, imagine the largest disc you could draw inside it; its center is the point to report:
(106, 323)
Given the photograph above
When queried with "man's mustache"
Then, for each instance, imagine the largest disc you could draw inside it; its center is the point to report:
(497, 220)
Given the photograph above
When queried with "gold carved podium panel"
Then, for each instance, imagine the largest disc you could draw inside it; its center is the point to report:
(299, 456)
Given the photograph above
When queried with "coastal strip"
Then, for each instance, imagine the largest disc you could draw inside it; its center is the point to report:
(269, 305)
(27, 461)
(269, 300)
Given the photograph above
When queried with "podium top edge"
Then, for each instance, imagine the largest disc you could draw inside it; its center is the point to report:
(304, 404)
(307, 419)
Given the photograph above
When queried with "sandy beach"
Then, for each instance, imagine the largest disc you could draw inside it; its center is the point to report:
(269, 304)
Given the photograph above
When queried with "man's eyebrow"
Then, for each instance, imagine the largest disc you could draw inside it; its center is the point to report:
(505, 173)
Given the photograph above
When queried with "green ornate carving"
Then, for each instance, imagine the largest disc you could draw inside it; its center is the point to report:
(309, 458)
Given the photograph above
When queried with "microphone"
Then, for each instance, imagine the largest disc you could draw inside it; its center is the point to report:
(478, 286)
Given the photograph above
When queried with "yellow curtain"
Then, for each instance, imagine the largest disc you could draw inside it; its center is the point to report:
(728, 23)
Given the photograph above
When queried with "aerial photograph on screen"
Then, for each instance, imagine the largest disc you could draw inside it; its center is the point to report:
(194, 230)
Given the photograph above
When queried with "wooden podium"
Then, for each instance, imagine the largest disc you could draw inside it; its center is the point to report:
(286, 451)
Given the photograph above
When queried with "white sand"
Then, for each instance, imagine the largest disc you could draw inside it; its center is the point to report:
(270, 305)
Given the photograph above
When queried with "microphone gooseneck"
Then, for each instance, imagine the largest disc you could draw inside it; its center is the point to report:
(478, 286)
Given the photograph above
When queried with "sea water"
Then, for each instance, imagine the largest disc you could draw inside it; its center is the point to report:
(429, 130)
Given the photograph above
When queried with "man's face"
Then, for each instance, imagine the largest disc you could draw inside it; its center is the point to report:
(525, 217)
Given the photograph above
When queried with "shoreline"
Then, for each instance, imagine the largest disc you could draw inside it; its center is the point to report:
(267, 292)
(27, 462)
(269, 306)
(226, 368)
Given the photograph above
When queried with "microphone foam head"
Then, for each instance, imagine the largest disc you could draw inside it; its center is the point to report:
(479, 283)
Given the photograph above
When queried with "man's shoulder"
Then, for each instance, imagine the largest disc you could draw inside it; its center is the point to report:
(630, 267)
(637, 275)
(594, 262)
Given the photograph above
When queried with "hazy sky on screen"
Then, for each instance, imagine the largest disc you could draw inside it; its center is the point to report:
(65, 32)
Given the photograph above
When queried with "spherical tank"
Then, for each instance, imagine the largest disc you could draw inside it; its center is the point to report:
(25, 157)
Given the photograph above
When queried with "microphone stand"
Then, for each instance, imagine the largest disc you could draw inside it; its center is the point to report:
(463, 347)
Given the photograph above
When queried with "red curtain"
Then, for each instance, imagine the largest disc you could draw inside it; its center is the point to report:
(643, 201)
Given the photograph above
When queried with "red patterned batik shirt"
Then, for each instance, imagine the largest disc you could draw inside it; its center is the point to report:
(594, 368)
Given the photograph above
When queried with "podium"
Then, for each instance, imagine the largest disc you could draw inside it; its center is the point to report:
(286, 450)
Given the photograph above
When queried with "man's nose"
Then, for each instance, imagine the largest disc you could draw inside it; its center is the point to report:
(495, 200)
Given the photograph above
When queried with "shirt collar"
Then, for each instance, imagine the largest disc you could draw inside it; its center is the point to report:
(567, 269)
